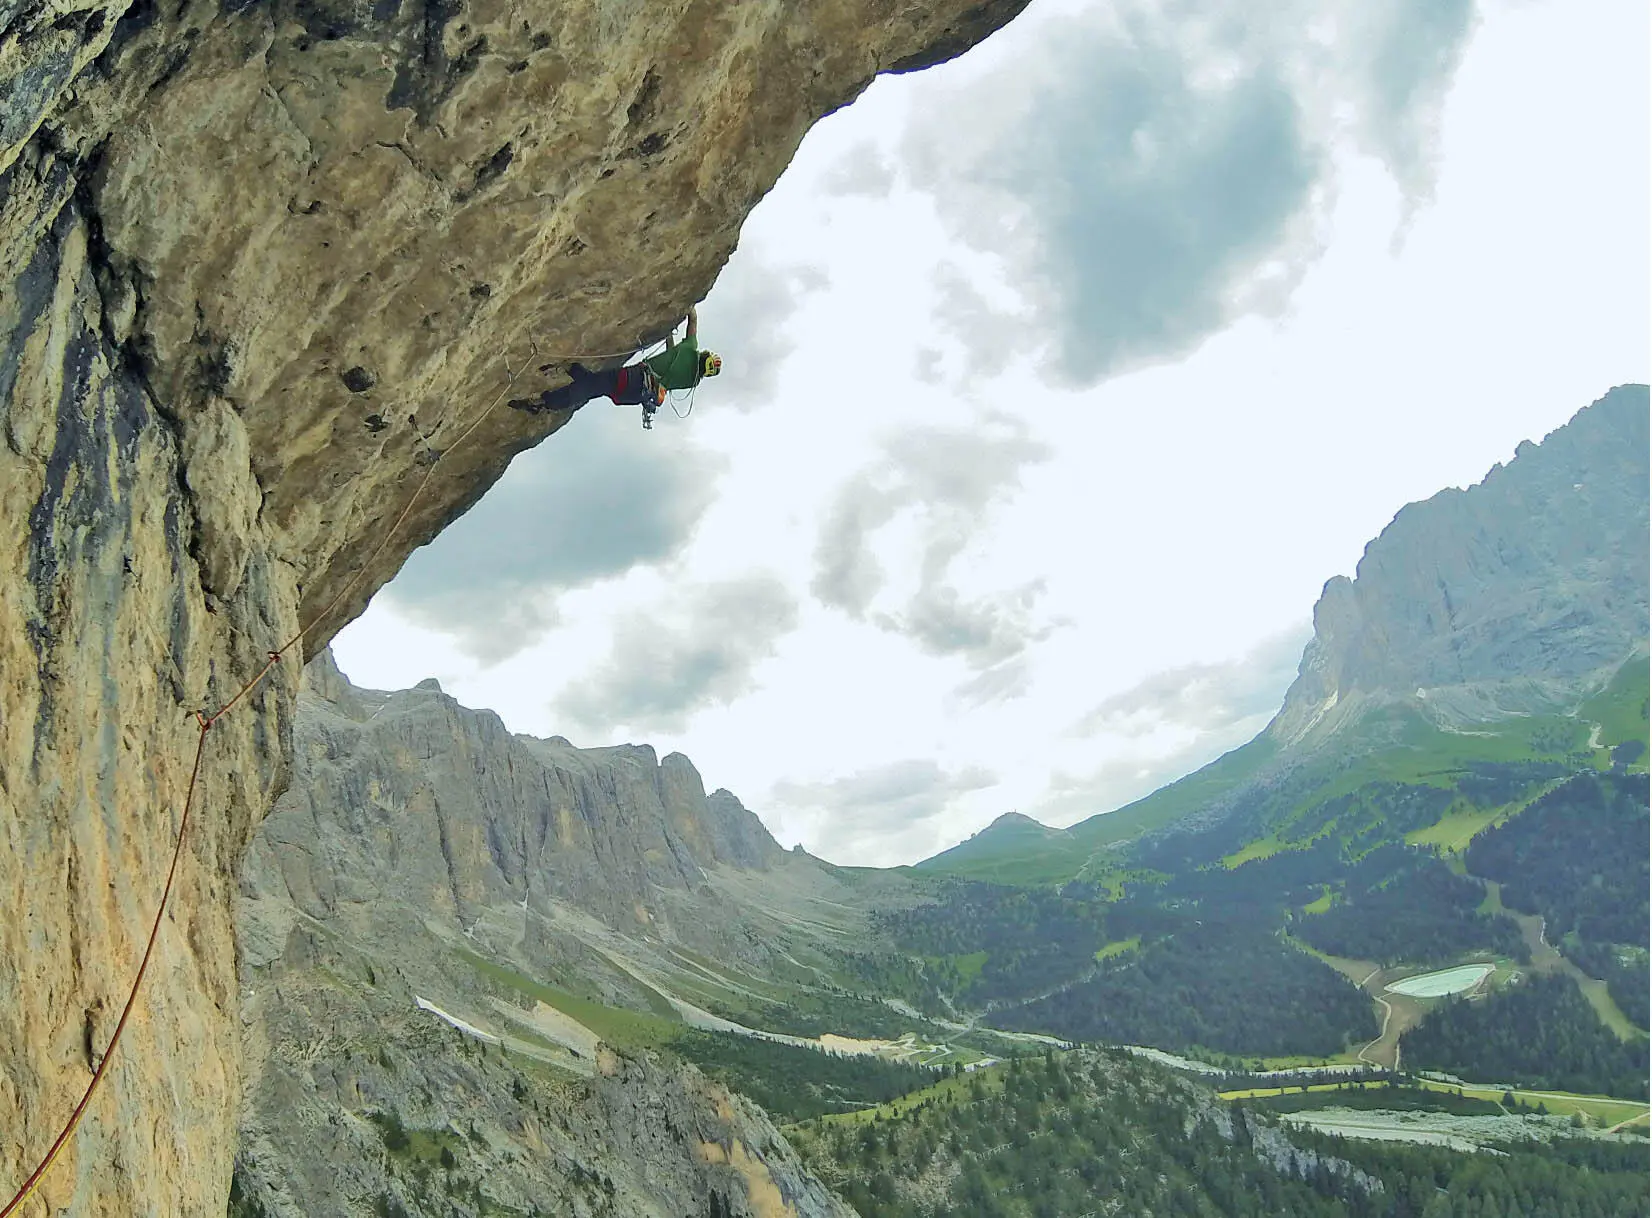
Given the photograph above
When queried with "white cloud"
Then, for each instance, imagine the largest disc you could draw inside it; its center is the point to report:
(1203, 697)
(882, 814)
(1172, 722)
(948, 480)
(745, 319)
(863, 170)
(1151, 171)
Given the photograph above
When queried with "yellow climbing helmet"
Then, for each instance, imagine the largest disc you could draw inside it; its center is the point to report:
(710, 363)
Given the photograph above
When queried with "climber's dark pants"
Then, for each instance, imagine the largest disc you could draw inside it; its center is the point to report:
(629, 386)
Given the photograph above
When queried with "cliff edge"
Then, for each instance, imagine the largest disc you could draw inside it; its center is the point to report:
(1516, 596)
(265, 266)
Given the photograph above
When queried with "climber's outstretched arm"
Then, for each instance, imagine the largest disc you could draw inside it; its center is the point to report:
(693, 323)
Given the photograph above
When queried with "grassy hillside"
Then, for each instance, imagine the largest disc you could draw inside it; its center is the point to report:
(1395, 744)
(1015, 850)
(1369, 856)
(1621, 711)
(1016, 855)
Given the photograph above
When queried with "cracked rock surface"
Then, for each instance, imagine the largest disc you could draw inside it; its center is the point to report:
(262, 265)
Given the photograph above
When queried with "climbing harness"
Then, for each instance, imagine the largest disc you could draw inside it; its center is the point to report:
(205, 721)
(651, 393)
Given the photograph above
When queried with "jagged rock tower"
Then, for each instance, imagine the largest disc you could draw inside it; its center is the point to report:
(264, 263)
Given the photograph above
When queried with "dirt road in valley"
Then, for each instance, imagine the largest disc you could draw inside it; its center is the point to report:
(1399, 1013)
(1391, 1050)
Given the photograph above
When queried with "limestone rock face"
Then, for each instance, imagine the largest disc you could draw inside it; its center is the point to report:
(267, 269)
(736, 835)
(339, 1058)
(408, 815)
(409, 797)
(1511, 597)
(403, 907)
(109, 636)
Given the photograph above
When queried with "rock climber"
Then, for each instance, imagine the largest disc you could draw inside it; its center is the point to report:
(682, 365)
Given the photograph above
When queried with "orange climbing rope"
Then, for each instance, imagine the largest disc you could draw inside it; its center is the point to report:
(206, 721)
(131, 999)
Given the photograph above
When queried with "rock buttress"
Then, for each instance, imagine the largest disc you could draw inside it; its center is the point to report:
(263, 264)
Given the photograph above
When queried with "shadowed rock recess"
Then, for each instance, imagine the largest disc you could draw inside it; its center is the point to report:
(261, 264)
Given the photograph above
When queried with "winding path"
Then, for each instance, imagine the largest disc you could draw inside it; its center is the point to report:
(1387, 1014)
(1634, 1120)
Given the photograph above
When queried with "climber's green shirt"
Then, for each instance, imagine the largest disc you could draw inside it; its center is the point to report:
(678, 366)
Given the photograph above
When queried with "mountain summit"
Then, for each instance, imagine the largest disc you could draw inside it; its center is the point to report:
(1520, 596)
(1514, 596)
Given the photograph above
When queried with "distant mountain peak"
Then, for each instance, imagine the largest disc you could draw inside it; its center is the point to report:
(1520, 595)
(1009, 833)
(1020, 822)
(416, 793)
(1510, 597)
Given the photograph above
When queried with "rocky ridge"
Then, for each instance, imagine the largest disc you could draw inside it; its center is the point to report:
(1523, 594)
(365, 1104)
(422, 858)
(268, 267)
(409, 801)
(1518, 595)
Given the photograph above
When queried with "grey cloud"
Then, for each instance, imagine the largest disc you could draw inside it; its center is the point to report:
(949, 478)
(847, 574)
(744, 320)
(963, 469)
(1416, 48)
(990, 336)
(695, 651)
(1204, 697)
(900, 791)
(1000, 683)
(1144, 200)
(863, 170)
(1166, 168)
(987, 632)
(604, 498)
(885, 813)
(942, 622)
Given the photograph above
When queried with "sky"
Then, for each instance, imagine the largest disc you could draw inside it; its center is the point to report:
(1058, 380)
